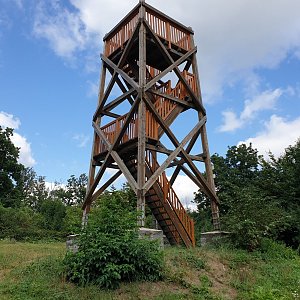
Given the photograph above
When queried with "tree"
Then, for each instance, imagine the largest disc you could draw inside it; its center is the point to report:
(248, 209)
(281, 180)
(74, 191)
(10, 170)
(53, 212)
(34, 190)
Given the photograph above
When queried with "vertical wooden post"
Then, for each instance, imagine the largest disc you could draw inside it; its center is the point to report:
(95, 146)
(204, 140)
(141, 175)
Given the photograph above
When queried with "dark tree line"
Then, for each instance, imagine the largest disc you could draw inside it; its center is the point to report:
(259, 197)
(28, 208)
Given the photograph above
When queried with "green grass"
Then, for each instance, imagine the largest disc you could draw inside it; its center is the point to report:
(35, 271)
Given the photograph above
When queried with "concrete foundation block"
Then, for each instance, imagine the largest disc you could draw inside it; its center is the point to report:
(71, 243)
(152, 234)
(210, 237)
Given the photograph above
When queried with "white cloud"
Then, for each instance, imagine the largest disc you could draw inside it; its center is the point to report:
(92, 89)
(62, 28)
(230, 121)
(25, 155)
(236, 38)
(81, 139)
(185, 188)
(8, 120)
(264, 101)
(277, 135)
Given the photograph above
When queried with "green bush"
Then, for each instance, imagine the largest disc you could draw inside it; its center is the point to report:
(25, 224)
(110, 251)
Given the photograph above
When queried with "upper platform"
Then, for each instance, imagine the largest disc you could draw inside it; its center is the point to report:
(175, 35)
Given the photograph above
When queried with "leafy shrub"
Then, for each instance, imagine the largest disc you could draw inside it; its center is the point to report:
(110, 250)
(25, 224)
(53, 212)
(246, 235)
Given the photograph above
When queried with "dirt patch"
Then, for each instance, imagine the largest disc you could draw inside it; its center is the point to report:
(220, 276)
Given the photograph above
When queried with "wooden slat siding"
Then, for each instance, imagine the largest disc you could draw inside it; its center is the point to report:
(171, 197)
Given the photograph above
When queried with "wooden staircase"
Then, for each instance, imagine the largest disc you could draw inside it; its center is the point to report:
(165, 205)
(161, 198)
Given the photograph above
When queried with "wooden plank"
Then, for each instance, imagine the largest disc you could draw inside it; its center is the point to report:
(165, 17)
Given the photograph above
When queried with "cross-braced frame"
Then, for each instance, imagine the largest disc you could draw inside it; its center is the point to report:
(139, 54)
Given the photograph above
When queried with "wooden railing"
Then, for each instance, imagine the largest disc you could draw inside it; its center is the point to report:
(112, 130)
(171, 198)
(168, 30)
(163, 106)
(122, 35)
(164, 27)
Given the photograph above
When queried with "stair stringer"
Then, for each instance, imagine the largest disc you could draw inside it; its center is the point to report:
(169, 222)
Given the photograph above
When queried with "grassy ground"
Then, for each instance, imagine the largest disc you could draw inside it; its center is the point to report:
(34, 271)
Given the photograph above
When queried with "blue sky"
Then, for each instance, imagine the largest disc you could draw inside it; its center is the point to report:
(248, 55)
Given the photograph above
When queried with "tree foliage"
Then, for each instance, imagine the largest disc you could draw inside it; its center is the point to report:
(109, 248)
(258, 197)
(10, 170)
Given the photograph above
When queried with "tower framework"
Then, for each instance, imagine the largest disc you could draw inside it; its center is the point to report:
(149, 90)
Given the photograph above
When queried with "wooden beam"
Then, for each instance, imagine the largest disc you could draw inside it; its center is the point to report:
(114, 75)
(109, 114)
(206, 187)
(176, 100)
(121, 85)
(111, 105)
(173, 155)
(141, 175)
(129, 80)
(169, 69)
(126, 122)
(168, 57)
(188, 150)
(106, 185)
(164, 150)
(100, 173)
(117, 158)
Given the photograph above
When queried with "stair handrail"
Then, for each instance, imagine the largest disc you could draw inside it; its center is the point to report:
(171, 198)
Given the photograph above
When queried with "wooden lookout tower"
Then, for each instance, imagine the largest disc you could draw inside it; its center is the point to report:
(149, 80)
